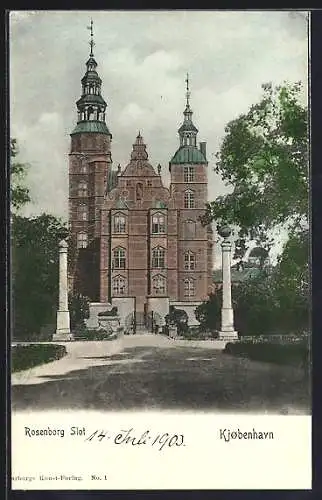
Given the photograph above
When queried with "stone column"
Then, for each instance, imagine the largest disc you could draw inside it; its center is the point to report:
(63, 320)
(227, 331)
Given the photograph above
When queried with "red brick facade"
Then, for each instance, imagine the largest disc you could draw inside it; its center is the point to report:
(132, 236)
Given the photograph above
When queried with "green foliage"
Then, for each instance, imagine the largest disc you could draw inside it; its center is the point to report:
(178, 318)
(28, 356)
(264, 158)
(208, 313)
(78, 309)
(93, 334)
(296, 354)
(35, 267)
(19, 192)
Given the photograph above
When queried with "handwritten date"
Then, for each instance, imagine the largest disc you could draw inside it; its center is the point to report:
(130, 437)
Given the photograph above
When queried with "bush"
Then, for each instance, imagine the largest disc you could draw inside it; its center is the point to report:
(198, 333)
(27, 356)
(97, 334)
(296, 354)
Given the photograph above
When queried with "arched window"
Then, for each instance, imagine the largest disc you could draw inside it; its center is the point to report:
(119, 261)
(190, 229)
(189, 261)
(90, 113)
(119, 223)
(189, 199)
(82, 240)
(189, 173)
(159, 285)
(82, 189)
(158, 224)
(158, 258)
(189, 287)
(82, 212)
(118, 285)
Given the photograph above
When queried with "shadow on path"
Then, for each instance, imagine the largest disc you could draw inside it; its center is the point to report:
(178, 378)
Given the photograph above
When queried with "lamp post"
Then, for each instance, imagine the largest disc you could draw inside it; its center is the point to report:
(227, 331)
(63, 319)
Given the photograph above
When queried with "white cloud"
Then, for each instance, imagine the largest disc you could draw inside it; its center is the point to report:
(143, 58)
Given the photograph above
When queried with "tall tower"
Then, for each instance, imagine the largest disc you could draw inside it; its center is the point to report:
(188, 169)
(89, 167)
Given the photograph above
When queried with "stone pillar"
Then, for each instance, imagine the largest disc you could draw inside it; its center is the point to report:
(63, 320)
(227, 331)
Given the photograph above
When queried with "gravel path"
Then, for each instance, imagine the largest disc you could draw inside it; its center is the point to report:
(154, 372)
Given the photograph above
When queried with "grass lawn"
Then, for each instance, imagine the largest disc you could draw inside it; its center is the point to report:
(28, 356)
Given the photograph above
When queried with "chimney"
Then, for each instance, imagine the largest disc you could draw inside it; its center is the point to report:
(202, 147)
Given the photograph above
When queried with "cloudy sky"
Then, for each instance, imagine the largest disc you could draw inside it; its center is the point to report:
(143, 58)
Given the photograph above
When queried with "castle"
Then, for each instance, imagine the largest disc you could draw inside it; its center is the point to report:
(137, 244)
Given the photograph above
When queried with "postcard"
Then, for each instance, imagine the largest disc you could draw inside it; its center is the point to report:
(160, 250)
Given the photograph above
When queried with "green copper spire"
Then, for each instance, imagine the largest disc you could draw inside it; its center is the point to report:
(187, 131)
(91, 106)
(188, 153)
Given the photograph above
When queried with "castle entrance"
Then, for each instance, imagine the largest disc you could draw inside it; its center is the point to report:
(143, 322)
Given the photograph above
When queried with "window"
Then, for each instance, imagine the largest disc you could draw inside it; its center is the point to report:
(119, 258)
(189, 261)
(82, 212)
(83, 168)
(190, 229)
(158, 284)
(82, 189)
(189, 288)
(118, 285)
(158, 258)
(189, 199)
(158, 224)
(189, 174)
(149, 183)
(119, 223)
(82, 240)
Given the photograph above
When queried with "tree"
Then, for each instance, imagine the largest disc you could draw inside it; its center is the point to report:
(35, 260)
(78, 310)
(178, 318)
(264, 159)
(208, 313)
(19, 193)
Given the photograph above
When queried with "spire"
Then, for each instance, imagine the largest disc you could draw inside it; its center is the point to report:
(91, 42)
(187, 92)
(139, 151)
(91, 106)
(187, 131)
